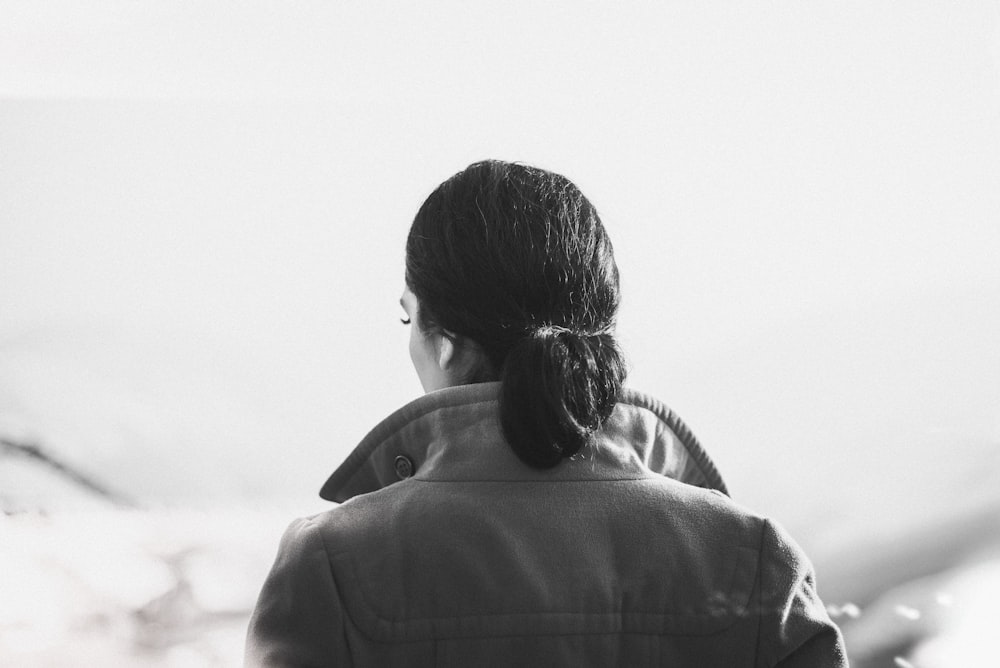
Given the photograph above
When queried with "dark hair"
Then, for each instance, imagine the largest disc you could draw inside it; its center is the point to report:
(516, 259)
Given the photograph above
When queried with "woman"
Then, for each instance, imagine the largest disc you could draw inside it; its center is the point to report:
(528, 510)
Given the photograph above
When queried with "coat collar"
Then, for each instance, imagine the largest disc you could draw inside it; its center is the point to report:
(454, 435)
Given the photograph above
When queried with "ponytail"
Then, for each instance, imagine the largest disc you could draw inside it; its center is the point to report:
(558, 386)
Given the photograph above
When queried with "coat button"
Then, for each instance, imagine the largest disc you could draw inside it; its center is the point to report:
(403, 466)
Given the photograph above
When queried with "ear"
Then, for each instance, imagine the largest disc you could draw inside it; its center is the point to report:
(446, 350)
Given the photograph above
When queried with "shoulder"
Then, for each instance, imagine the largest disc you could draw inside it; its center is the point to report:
(710, 522)
(707, 514)
(363, 518)
(297, 619)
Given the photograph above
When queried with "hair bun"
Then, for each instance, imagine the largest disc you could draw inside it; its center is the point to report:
(559, 386)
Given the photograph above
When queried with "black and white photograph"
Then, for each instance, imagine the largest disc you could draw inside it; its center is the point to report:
(499, 334)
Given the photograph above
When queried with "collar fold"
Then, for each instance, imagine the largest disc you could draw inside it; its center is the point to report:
(454, 435)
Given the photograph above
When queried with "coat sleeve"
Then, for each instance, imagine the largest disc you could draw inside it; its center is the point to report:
(298, 620)
(796, 631)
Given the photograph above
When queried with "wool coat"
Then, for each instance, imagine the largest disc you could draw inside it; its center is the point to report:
(447, 550)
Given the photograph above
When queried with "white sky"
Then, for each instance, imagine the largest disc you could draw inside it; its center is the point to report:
(203, 208)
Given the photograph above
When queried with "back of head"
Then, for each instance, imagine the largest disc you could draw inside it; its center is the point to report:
(515, 259)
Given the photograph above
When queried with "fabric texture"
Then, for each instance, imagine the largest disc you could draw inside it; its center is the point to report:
(629, 554)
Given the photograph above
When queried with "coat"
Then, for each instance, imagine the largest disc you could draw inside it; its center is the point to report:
(447, 550)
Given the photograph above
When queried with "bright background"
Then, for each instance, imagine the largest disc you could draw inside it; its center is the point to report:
(203, 208)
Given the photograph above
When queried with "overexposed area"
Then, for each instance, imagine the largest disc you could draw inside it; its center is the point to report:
(203, 212)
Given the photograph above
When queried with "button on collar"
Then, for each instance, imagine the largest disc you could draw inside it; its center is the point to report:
(404, 467)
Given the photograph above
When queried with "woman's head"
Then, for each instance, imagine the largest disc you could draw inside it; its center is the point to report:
(511, 274)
